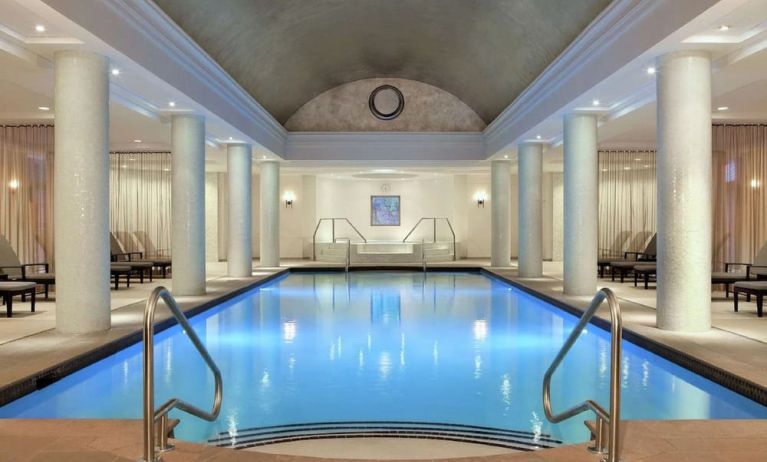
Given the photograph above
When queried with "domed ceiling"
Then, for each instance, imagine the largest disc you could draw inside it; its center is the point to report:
(286, 52)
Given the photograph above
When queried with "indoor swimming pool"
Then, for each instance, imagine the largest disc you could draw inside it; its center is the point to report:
(407, 349)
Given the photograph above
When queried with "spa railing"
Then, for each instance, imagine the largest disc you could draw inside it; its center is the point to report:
(156, 421)
(607, 429)
(333, 233)
(434, 230)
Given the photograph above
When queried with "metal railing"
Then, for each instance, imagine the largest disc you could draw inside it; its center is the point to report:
(333, 233)
(156, 421)
(434, 230)
(607, 423)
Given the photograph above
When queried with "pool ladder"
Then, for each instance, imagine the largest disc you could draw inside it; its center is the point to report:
(156, 423)
(606, 431)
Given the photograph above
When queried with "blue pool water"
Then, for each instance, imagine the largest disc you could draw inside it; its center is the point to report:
(385, 346)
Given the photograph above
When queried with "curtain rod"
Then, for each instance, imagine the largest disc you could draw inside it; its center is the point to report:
(740, 125)
(26, 125)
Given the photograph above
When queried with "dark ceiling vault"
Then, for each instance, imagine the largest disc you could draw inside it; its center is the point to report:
(285, 52)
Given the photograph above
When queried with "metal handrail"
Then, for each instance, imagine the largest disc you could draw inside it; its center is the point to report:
(610, 419)
(434, 235)
(152, 432)
(333, 221)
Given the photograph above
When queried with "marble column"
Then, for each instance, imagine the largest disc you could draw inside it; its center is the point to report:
(500, 232)
(684, 191)
(239, 170)
(270, 213)
(188, 204)
(581, 204)
(81, 192)
(530, 210)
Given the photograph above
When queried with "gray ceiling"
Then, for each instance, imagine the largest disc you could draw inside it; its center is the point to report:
(285, 52)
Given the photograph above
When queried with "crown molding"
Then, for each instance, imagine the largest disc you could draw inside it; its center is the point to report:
(141, 31)
(621, 33)
(397, 146)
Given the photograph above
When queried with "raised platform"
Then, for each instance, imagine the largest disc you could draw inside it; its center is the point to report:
(384, 252)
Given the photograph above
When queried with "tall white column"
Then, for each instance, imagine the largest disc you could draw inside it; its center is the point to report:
(81, 192)
(188, 204)
(684, 191)
(581, 191)
(270, 213)
(239, 170)
(530, 210)
(500, 232)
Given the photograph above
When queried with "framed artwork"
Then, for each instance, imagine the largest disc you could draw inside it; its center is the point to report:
(384, 211)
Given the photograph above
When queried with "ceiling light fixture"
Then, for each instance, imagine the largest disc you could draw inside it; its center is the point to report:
(115, 71)
(506, 156)
(40, 28)
(537, 137)
(43, 108)
(231, 139)
(651, 70)
(172, 103)
(724, 28)
(136, 141)
(595, 102)
(722, 108)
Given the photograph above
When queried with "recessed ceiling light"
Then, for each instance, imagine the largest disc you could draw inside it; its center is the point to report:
(40, 28)
(123, 166)
(166, 169)
(115, 71)
(595, 102)
(172, 103)
(626, 168)
(136, 141)
(651, 70)
(724, 28)
(537, 137)
(722, 108)
(44, 108)
(263, 157)
(638, 159)
(506, 156)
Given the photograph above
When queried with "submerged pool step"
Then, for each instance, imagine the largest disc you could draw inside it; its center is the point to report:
(510, 439)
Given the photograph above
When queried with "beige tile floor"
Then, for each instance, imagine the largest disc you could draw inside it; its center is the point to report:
(120, 441)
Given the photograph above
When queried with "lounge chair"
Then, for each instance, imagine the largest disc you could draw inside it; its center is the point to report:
(161, 257)
(16, 271)
(123, 258)
(609, 255)
(756, 288)
(627, 264)
(163, 263)
(757, 269)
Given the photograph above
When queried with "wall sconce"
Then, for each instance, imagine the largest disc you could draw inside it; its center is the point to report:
(480, 197)
(289, 197)
(13, 184)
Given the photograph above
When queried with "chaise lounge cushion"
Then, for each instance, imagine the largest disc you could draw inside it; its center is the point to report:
(16, 285)
(721, 276)
(752, 285)
(646, 267)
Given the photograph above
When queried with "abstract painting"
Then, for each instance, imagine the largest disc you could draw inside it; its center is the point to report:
(384, 210)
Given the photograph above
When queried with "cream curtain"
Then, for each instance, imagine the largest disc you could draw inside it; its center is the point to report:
(140, 201)
(26, 190)
(740, 197)
(627, 186)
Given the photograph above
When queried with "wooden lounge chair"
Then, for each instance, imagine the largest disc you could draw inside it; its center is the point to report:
(757, 269)
(756, 288)
(630, 259)
(16, 271)
(120, 256)
(163, 263)
(609, 255)
(9, 289)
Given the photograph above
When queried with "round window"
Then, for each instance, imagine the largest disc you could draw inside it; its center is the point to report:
(386, 102)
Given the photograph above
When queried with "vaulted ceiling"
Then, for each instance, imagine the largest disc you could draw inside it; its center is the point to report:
(285, 52)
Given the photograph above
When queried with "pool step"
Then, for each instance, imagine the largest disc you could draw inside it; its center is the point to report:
(509, 439)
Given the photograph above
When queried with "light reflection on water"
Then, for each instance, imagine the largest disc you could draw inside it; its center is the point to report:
(441, 347)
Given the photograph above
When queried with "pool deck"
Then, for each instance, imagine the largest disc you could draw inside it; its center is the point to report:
(120, 441)
(32, 352)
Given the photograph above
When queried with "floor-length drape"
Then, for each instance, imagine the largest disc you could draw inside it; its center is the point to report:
(140, 201)
(740, 197)
(26, 190)
(627, 185)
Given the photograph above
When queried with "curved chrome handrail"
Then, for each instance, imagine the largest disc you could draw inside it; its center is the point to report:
(333, 239)
(151, 416)
(434, 219)
(611, 418)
